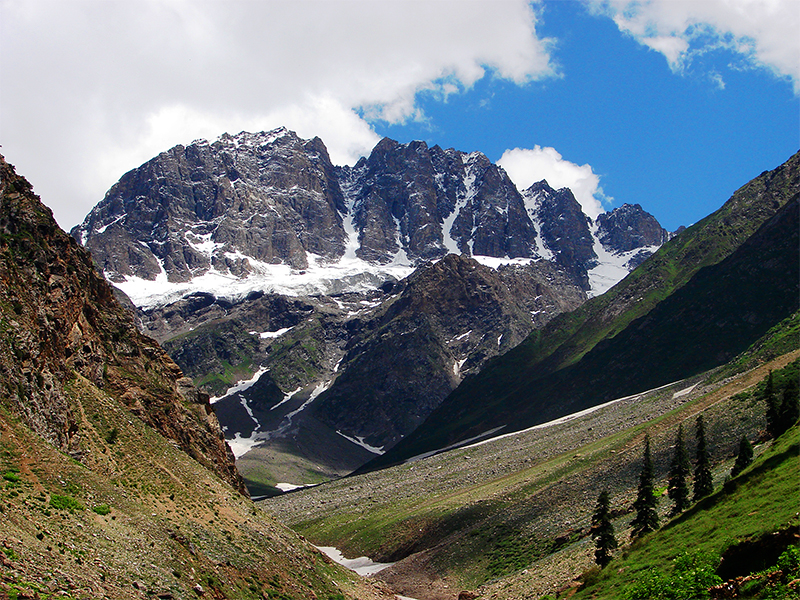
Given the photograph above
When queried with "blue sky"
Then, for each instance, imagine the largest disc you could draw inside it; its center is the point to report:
(673, 142)
(671, 104)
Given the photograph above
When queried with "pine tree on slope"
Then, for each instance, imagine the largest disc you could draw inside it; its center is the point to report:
(603, 530)
(789, 410)
(646, 519)
(703, 483)
(772, 407)
(679, 471)
(744, 458)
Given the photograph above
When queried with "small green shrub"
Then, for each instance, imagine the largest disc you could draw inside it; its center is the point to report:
(789, 562)
(112, 435)
(778, 582)
(101, 509)
(11, 476)
(692, 576)
(69, 503)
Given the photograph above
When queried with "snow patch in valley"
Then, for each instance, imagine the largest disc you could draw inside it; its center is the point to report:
(241, 386)
(286, 398)
(289, 487)
(685, 392)
(489, 436)
(458, 338)
(361, 565)
(359, 441)
(241, 446)
(287, 420)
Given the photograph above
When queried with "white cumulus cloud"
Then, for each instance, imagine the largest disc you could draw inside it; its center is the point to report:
(527, 166)
(764, 32)
(92, 88)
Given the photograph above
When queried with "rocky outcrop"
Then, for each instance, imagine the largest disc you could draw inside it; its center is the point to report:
(428, 202)
(628, 228)
(267, 197)
(61, 323)
(448, 320)
(564, 227)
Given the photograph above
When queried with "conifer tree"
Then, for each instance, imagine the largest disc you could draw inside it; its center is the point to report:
(646, 519)
(772, 407)
(703, 483)
(744, 458)
(679, 471)
(789, 410)
(603, 530)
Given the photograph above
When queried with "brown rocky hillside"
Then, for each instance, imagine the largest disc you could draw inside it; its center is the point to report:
(115, 480)
(60, 321)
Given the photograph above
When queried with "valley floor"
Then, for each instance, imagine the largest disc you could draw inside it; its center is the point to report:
(510, 517)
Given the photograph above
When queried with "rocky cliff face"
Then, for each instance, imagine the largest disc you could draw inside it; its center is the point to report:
(629, 229)
(565, 229)
(62, 325)
(448, 320)
(250, 205)
(428, 202)
(269, 197)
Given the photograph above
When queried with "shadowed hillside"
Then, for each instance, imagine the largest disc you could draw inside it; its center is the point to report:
(701, 299)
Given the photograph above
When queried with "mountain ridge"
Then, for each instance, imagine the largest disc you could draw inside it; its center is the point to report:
(270, 207)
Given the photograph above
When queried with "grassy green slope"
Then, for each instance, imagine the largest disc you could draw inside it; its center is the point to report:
(518, 509)
(139, 518)
(762, 500)
(706, 243)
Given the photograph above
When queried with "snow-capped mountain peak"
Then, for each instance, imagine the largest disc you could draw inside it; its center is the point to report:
(269, 211)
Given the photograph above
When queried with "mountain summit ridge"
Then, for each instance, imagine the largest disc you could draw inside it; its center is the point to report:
(269, 211)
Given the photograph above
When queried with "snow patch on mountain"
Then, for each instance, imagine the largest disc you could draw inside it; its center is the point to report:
(359, 441)
(241, 386)
(612, 267)
(533, 203)
(321, 277)
(274, 334)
